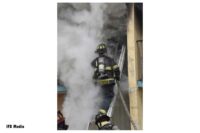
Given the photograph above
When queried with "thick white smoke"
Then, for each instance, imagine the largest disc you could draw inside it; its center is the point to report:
(78, 35)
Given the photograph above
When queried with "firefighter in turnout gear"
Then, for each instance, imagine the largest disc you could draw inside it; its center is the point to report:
(105, 73)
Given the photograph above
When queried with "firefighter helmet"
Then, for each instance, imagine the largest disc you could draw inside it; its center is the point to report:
(101, 48)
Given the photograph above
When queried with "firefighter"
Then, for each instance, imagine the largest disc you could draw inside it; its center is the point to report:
(105, 73)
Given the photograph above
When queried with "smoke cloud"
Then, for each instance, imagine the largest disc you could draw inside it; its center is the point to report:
(79, 32)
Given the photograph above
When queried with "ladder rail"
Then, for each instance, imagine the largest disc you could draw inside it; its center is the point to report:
(120, 64)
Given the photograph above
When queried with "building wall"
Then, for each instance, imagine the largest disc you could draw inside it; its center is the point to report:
(139, 51)
(135, 94)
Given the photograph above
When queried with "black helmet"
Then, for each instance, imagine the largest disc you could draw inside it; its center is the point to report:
(101, 48)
